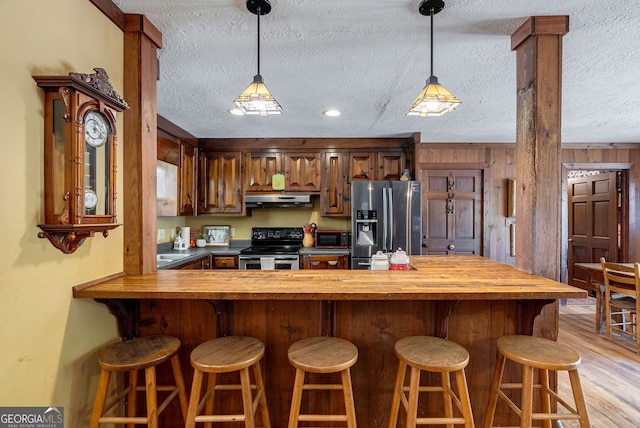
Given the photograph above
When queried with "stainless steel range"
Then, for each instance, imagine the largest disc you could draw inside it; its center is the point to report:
(272, 248)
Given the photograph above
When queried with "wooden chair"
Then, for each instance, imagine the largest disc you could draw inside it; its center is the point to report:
(432, 354)
(621, 298)
(131, 356)
(228, 354)
(543, 355)
(322, 355)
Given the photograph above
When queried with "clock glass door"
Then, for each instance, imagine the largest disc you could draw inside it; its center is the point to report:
(97, 161)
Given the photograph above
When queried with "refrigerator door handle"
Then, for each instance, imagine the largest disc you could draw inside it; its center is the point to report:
(389, 243)
(385, 214)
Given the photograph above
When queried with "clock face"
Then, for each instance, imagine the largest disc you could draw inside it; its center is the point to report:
(95, 129)
(90, 199)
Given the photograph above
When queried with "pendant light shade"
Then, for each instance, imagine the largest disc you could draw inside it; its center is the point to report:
(256, 99)
(435, 99)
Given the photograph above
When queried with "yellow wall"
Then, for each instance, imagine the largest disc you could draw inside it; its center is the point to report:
(49, 339)
(259, 218)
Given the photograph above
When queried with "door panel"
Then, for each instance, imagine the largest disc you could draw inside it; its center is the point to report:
(593, 222)
(453, 212)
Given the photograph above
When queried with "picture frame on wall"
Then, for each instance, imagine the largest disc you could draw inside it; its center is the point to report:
(219, 236)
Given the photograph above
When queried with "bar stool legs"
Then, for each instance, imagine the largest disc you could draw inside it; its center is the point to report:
(322, 355)
(433, 354)
(535, 353)
(131, 356)
(225, 355)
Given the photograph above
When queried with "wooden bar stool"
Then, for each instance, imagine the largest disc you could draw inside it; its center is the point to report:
(226, 355)
(322, 355)
(130, 356)
(543, 355)
(431, 354)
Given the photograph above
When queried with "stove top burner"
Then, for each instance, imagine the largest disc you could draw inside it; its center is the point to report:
(273, 241)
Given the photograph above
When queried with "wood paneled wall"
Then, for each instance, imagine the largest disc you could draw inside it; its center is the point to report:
(498, 163)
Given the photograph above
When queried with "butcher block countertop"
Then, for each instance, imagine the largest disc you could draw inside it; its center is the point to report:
(433, 278)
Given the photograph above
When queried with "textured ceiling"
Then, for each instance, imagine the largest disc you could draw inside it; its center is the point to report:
(370, 59)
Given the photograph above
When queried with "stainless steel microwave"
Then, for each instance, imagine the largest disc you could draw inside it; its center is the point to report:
(333, 238)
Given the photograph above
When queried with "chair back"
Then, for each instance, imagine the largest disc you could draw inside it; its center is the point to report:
(621, 279)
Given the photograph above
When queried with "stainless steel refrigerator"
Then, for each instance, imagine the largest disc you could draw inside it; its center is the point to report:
(385, 215)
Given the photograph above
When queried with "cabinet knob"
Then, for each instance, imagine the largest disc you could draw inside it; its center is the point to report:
(451, 247)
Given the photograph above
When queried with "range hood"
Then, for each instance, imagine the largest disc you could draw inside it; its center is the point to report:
(278, 200)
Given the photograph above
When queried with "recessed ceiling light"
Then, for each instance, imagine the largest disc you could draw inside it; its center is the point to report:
(236, 111)
(332, 113)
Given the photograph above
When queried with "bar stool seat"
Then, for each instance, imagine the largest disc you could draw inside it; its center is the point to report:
(130, 356)
(322, 355)
(535, 353)
(226, 355)
(431, 354)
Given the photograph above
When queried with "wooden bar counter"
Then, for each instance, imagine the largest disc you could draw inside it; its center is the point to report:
(468, 299)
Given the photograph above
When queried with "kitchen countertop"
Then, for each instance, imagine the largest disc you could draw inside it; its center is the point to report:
(195, 253)
(433, 278)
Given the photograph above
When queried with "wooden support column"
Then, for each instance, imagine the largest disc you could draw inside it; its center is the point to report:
(538, 46)
(141, 41)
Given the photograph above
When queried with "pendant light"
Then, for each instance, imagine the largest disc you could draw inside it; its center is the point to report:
(256, 99)
(434, 100)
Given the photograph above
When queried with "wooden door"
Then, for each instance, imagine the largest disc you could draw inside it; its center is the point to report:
(391, 165)
(593, 222)
(362, 166)
(452, 212)
(333, 198)
(187, 179)
(259, 169)
(220, 188)
(302, 171)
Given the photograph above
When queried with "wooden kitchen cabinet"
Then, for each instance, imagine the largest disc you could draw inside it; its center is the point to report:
(362, 166)
(200, 264)
(337, 261)
(187, 179)
(391, 165)
(224, 262)
(302, 171)
(334, 197)
(220, 183)
(259, 168)
(179, 179)
(324, 166)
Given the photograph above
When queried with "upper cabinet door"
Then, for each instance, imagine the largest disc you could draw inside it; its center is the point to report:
(334, 194)
(391, 165)
(187, 179)
(302, 171)
(220, 178)
(362, 166)
(259, 170)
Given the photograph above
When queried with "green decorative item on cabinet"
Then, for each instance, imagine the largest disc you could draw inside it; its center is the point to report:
(277, 181)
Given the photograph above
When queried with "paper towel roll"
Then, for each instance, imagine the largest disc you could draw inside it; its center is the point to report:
(185, 233)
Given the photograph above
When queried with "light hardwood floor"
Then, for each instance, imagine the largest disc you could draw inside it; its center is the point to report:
(610, 370)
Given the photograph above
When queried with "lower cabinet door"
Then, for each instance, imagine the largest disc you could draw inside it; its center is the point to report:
(325, 262)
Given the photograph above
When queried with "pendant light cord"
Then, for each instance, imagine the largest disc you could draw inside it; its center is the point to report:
(259, 11)
(431, 14)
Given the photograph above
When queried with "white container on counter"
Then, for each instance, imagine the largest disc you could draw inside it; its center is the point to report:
(379, 261)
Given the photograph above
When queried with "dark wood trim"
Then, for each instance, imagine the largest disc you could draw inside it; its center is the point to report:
(274, 144)
(173, 129)
(540, 25)
(136, 23)
(111, 11)
(453, 165)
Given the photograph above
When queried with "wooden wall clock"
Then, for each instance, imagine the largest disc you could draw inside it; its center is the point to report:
(79, 157)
